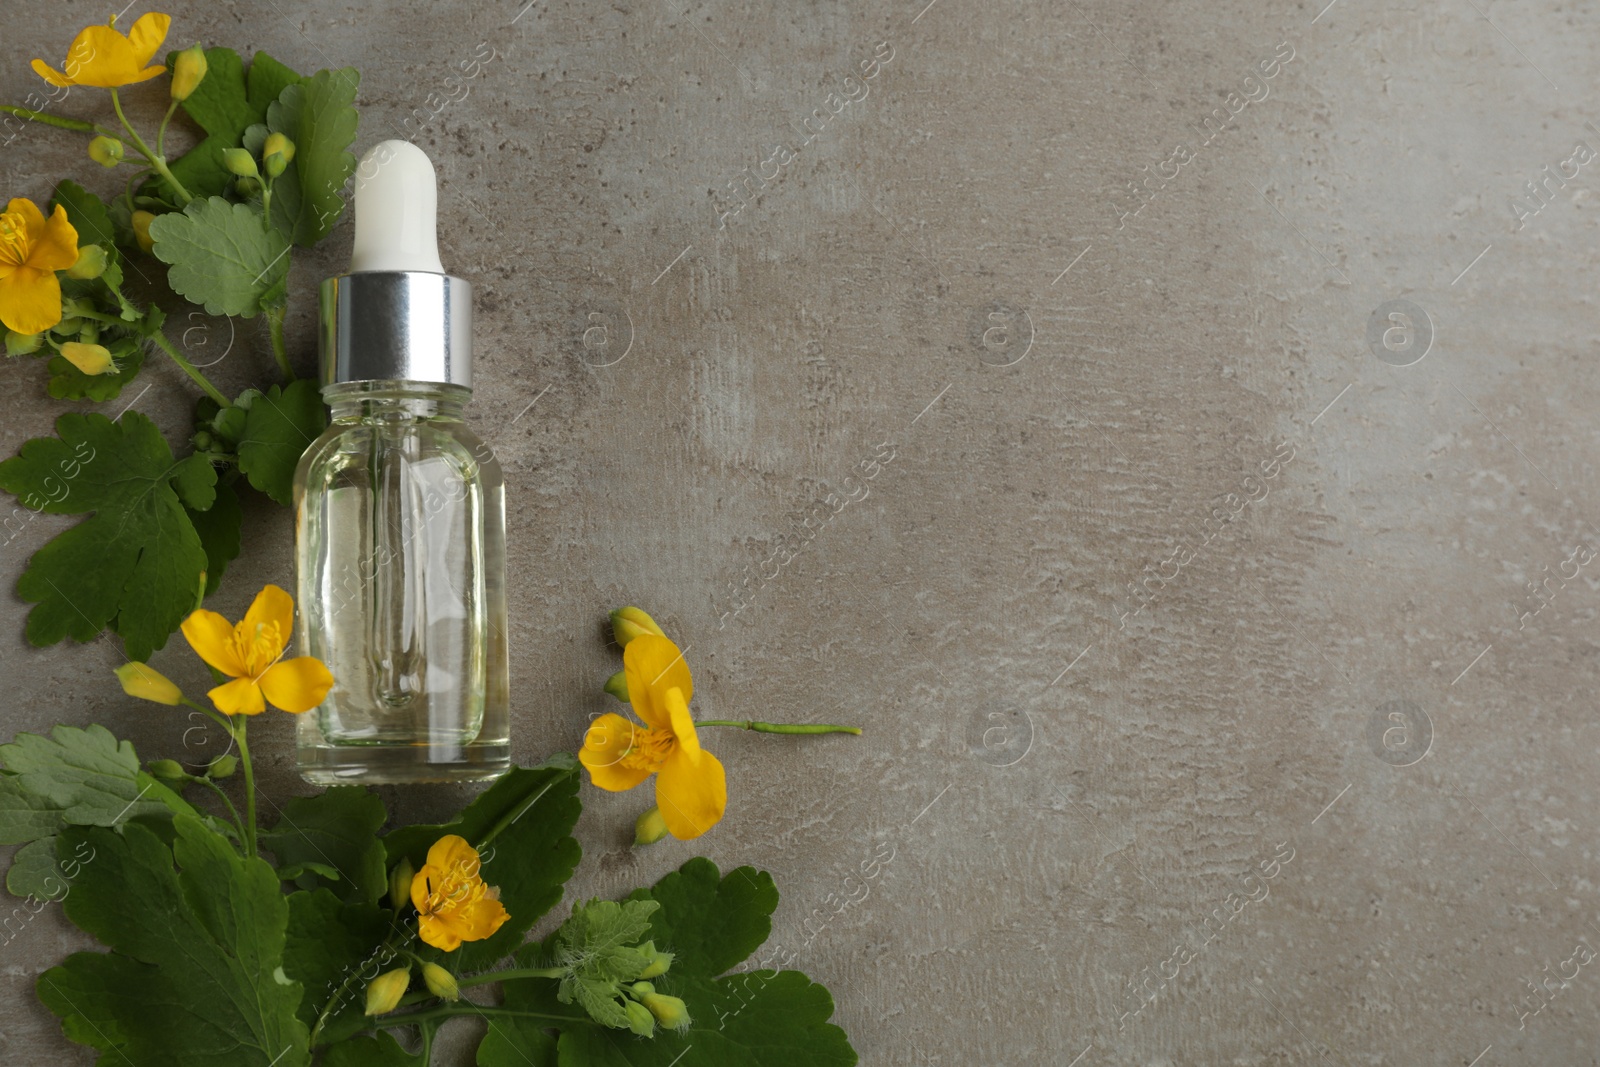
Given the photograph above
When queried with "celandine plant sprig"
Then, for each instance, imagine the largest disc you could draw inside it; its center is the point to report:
(691, 785)
(217, 222)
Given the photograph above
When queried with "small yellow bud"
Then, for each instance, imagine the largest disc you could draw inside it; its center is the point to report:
(385, 991)
(649, 828)
(277, 144)
(669, 1011)
(23, 344)
(90, 264)
(640, 1021)
(400, 880)
(617, 685)
(628, 623)
(168, 770)
(223, 766)
(239, 162)
(139, 680)
(658, 966)
(141, 229)
(188, 70)
(441, 983)
(106, 151)
(92, 360)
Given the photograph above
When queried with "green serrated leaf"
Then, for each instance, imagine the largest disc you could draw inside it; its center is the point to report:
(69, 383)
(86, 776)
(267, 80)
(221, 255)
(526, 818)
(712, 923)
(380, 1051)
(195, 480)
(188, 980)
(319, 117)
(219, 527)
(330, 944)
(134, 563)
(278, 427)
(766, 1017)
(88, 215)
(334, 830)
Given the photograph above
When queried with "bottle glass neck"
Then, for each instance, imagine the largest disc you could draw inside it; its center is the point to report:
(366, 401)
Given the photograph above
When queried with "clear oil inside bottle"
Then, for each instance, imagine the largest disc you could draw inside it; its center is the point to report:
(401, 559)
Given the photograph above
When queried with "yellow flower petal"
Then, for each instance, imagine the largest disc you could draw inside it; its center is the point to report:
(139, 680)
(692, 797)
(146, 35)
(266, 627)
(452, 856)
(439, 933)
(608, 740)
(296, 685)
(683, 726)
(102, 57)
(55, 245)
(211, 636)
(90, 359)
(30, 300)
(653, 665)
(242, 696)
(54, 77)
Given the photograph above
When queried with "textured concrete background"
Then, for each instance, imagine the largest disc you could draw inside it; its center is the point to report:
(1061, 778)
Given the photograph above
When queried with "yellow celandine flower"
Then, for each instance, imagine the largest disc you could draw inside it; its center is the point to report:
(251, 653)
(141, 229)
(103, 58)
(90, 359)
(691, 786)
(453, 903)
(31, 251)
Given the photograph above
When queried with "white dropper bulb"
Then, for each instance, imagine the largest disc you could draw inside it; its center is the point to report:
(396, 211)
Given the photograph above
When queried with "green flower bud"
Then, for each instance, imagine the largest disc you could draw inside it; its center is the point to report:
(247, 186)
(91, 263)
(223, 766)
(669, 1011)
(107, 151)
(68, 326)
(628, 623)
(23, 344)
(441, 983)
(203, 441)
(640, 1021)
(400, 880)
(89, 334)
(617, 686)
(385, 991)
(649, 828)
(274, 164)
(187, 71)
(641, 989)
(239, 163)
(168, 770)
(658, 966)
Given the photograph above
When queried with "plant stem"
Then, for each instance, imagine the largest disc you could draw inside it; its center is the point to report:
(161, 133)
(217, 789)
(157, 164)
(449, 1011)
(52, 120)
(782, 727)
(515, 972)
(190, 369)
(515, 813)
(249, 789)
(279, 352)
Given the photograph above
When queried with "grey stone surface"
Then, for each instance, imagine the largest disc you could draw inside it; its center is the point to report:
(944, 274)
